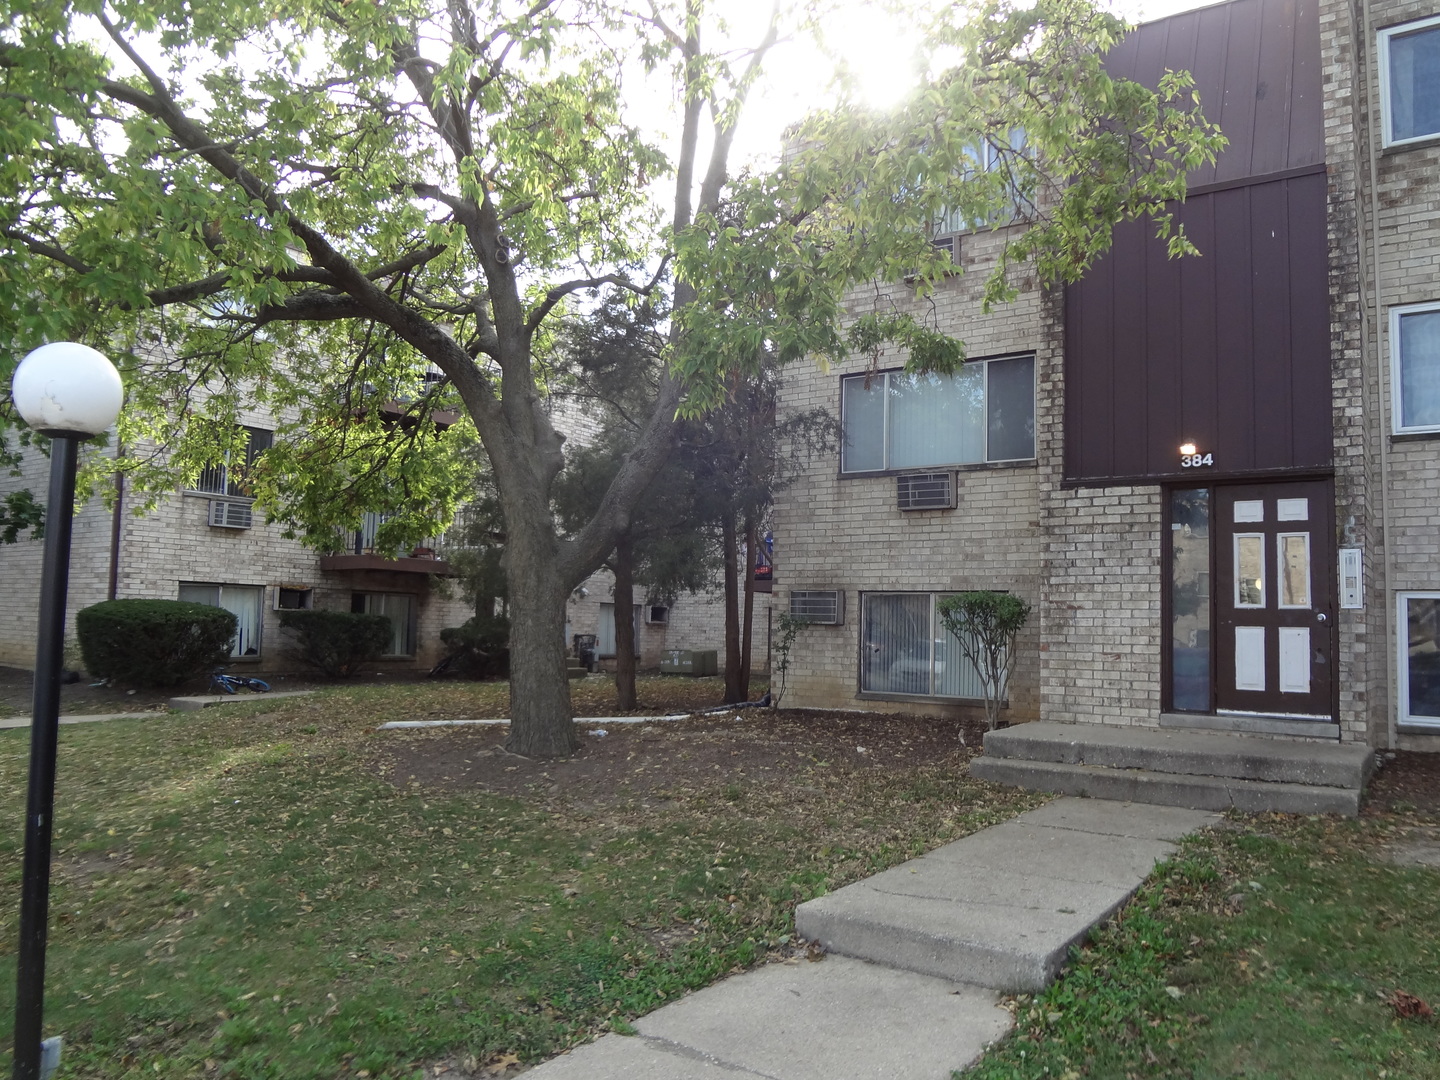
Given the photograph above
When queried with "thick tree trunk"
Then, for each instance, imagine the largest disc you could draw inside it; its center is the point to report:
(624, 623)
(734, 690)
(541, 721)
(746, 635)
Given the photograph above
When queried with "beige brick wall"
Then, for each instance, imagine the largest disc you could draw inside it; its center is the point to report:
(696, 621)
(834, 533)
(175, 543)
(1385, 251)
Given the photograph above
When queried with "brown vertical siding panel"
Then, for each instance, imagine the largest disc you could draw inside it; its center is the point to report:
(1211, 52)
(1199, 381)
(1270, 360)
(1130, 299)
(1088, 399)
(1310, 337)
(1273, 78)
(1164, 301)
(1234, 342)
(1307, 120)
(1237, 110)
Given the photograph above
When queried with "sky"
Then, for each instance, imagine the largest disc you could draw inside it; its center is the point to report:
(876, 46)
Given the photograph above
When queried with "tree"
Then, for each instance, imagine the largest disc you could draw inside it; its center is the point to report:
(363, 189)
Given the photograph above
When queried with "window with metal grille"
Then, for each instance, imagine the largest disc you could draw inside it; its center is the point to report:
(230, 477)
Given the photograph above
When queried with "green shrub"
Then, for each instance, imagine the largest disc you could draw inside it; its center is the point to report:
(339, 643)
(153, 642)
(478, 648)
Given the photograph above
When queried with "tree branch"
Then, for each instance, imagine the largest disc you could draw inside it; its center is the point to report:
(559, 292)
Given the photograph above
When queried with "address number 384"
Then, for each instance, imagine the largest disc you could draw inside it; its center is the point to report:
(1194, 461)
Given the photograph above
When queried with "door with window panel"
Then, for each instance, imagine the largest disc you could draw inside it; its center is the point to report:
(1275, 599)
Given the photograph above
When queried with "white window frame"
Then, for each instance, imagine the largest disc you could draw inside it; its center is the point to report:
(1402, 659)
(985, 428)
(1382, 44)
(935, 629)
(1396, 361)
(237, 641)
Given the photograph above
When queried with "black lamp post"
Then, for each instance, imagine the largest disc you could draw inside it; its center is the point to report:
(71, 393)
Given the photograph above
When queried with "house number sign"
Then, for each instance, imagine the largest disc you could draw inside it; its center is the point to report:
(1195, 461)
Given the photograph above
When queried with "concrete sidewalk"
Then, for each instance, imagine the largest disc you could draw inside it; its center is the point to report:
(918, 957)
(10, 722)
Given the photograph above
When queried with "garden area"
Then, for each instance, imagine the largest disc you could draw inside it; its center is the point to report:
(277, 889)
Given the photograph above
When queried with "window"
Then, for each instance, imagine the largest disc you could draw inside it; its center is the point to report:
(1419, 629)
(1415, 367)
(984, 412)
(1410, 81)
(243, 601)
(905, 649)
(986, 157)
(399, 608)
(606, 638)
(229, 477)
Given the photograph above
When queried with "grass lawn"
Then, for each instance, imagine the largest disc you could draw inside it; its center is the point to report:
(261, 891)
(1273, 947)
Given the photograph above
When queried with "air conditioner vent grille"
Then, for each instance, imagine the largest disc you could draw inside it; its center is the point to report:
(823, 606)
(925, 491)
(226, 514)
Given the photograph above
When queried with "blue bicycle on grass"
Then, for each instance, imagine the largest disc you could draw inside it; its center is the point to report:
(231, 684)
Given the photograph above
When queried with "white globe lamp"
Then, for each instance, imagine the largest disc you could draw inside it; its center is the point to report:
(67, 389)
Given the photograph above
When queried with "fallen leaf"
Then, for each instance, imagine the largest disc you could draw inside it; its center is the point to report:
(1409, 1007)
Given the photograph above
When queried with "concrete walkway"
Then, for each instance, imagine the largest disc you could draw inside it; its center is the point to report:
(79, 718)
(918, 957)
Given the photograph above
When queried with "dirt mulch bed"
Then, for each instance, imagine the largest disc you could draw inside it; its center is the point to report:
(621, 762)
(1408, 781)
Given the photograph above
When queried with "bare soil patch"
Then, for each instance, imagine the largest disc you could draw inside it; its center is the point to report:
(1408, 781)
(654, 761)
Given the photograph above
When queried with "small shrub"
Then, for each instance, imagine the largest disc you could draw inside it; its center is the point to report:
(153, 642)
(986, 624)
(478, 648)
(339, 643)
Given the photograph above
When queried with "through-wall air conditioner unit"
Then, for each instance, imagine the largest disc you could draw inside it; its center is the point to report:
(950, 245)
(657, 614)
(225, 514)
(825, 607)
(925, 491)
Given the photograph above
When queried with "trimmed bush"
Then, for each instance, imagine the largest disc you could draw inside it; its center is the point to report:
(339, 643)
(478, 648)
(153, 642)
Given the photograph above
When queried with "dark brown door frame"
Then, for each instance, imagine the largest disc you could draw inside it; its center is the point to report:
(1167, 650)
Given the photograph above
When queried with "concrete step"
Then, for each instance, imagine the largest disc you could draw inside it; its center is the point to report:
(1189, 753)
(1003, 907)
(1199, 792)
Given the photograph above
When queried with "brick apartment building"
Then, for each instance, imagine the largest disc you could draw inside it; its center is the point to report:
(1280, 574)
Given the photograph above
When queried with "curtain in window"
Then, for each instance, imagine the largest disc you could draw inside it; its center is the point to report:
(605, 636)
(937, 419)
(905, 649)
(242, 601)
(1415, 84)
(399, 608)
(1419, 350)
